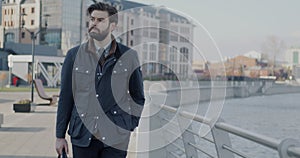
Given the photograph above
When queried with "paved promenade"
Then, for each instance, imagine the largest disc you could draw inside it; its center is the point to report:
(26, 135)
(29, 135)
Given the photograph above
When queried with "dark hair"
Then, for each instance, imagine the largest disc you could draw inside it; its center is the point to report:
(112, 11)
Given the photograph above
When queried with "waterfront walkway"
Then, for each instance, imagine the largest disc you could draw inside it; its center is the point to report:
(29, 135)
(26, 135)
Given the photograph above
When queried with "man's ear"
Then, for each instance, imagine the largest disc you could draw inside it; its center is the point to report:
(113, 26)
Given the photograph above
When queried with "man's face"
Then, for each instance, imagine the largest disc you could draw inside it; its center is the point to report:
(99, 25)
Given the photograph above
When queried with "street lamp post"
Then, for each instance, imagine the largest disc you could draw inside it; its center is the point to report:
(33, 36)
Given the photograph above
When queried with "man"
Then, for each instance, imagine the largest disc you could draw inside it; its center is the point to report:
(101, 96)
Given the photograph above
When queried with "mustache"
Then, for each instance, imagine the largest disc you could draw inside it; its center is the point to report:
(93, 27)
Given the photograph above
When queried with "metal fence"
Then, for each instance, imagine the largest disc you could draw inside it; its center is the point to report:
(186, 146)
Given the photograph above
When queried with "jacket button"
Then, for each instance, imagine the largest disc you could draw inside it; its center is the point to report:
(82, 115)
(115, 72)
(76, 68)
(97, 95)
(103, 138)
(87, 71)
(90, 138)
(97, 117)
(100, 74)
(115, 112)
(125, 70)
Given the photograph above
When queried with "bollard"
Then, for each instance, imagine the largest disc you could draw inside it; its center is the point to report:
(1, 119)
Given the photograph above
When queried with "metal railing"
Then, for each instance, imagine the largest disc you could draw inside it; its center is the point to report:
(287, 148)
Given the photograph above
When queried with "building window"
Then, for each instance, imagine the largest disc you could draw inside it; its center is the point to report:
(23, 10)
(23, 35)
(4, 23)
(53, 39)
(153, 50)
(152, 68)
(131, 42)
(12, 12)
(184, 54)
(145, 51)
(4, 11)
(183, 39)
(173, 54)
(132, 22)
(295, 57)
(184, 30)
(153, 35)
(145, 32)
(183, 70)
(32, 22)
(131, 32)
(174, 37)
(32, 10)
(9, 37)
(12, 23)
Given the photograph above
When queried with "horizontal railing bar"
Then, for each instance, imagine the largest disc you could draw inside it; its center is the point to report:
(261, 139)
(174, 154)
(205, 138)
(187, 114)
(294, 151)
(169, 108)
(258, 138)
(195, 117)
(235, 151)
(200, 149)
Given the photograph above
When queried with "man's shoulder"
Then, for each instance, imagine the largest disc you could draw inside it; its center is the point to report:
(74, 50)
(123, 48)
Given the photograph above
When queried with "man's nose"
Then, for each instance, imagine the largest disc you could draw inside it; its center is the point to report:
(95, 22)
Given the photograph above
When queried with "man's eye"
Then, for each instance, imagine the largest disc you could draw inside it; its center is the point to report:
(100, 20)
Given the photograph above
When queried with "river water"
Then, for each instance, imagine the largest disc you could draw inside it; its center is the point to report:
(275, 116)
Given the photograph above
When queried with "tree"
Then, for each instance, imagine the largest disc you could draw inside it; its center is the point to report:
(273, 47)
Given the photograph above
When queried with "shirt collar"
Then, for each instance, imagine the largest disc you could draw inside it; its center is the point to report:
(106, 48)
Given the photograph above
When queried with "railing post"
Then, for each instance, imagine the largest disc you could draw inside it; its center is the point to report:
(188, 138)
(155, 122)
(284, 145)
(221, 138)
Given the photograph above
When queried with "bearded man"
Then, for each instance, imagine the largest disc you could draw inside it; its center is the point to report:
(101, 97)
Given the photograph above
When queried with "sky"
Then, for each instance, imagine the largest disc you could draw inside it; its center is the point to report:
(238, 26)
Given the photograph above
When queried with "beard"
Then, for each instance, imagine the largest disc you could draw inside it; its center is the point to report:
(100, 36)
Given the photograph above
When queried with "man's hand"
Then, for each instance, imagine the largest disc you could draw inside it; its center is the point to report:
(61, 143)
